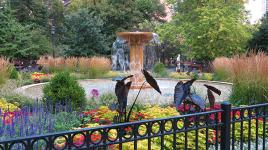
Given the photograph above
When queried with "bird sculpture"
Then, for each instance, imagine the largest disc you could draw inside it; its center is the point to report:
(183, 95)
(121, 92)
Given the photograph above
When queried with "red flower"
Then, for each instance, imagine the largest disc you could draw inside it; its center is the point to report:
(95, 137)
(96, 120)
(181, 108)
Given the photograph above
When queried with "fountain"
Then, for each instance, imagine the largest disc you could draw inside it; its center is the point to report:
(120, 53)
(136, 42)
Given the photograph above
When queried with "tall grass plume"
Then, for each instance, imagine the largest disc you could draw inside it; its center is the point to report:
(249, 74)
(4, 69)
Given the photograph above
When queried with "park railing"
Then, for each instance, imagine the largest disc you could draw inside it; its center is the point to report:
(225, 129)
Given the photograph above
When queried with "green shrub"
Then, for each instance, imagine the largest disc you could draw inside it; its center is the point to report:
(221, 75)
(207, 76)
(66, 121)
(107, 98)
(64, 87)
(18, 99)
(13, 73)
(25, 75)
(160, 69)
(249, 92)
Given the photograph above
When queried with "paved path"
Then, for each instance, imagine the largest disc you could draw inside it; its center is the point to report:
(146, 96)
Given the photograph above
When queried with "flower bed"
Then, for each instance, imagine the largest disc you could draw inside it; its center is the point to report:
(38, 77)
(101, 116)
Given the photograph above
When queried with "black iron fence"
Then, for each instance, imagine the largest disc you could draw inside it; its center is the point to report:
(227, 128)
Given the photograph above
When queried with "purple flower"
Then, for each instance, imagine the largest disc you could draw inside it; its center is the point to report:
(94, 93)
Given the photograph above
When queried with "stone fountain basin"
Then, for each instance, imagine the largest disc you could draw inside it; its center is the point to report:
(147, 96)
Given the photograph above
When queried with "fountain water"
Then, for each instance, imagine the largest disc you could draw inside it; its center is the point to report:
(136, 42)
(120, 54)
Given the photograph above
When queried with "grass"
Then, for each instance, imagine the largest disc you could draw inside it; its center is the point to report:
(4, 69)
(90, 67)
(221, 67)
(249, 74)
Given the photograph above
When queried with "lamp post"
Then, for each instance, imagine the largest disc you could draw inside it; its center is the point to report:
(53, 31)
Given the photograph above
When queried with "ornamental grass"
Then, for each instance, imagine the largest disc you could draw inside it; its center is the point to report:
(249, 74)
(4, 69)
(91, 66)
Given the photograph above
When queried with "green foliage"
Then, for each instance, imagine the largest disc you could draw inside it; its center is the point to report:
(207, 29)
(19, 41)
(160, 69)
(18, 99)
(207, 76)
(66, 121)
(260, 37)
(107, 98)
(245, 130)
(94, 73)
(221, 75)
(13, 73)
(120, 15)
(30, 12)
(246, 93)
(63, 87)
(84, 34)
(151, 9)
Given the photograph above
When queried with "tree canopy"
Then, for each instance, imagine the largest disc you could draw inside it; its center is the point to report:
(19, 41)
(205, 30)
(259, 40)
(84, 36)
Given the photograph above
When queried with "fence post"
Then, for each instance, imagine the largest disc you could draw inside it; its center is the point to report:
(226, 127)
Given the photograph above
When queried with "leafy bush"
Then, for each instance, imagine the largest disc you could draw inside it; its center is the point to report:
(107, 98)
(25, 75)
(13, 73)
(179, 75)
(63, 87)
(160, 69)
(18, 100)
(65, 121)
(207, 76)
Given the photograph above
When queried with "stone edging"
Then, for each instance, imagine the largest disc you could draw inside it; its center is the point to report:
(38, 84)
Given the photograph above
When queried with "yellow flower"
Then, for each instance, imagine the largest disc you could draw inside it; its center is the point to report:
(5, 106)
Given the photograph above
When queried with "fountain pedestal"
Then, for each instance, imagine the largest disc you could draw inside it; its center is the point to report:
(136, 41)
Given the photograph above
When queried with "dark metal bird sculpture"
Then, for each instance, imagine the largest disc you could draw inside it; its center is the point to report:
(151, 80)
(211, 97)
(182, 90)
(182, 94)
(121, 92)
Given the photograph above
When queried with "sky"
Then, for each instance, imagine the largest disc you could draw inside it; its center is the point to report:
(256, 9)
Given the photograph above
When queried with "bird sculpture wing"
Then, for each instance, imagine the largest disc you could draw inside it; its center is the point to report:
(197, 100)
(211, 98)
(179, 94)
(212, 88)
(151, 80)
(121, 92)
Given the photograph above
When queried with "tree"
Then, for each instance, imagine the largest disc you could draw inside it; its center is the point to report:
(18, 41)
(151, 9)
(259, 40)
(208, 29)
(84, 35)
(120, 15)
(30, 12)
